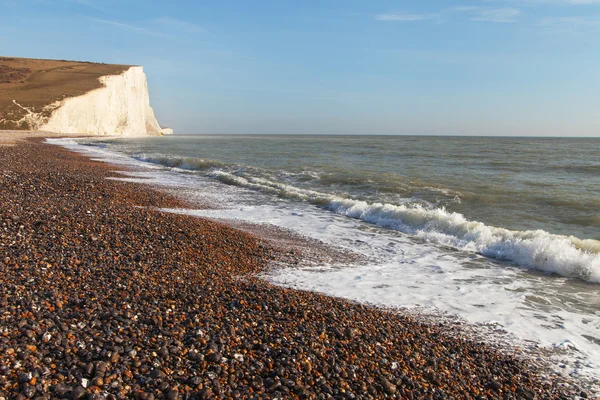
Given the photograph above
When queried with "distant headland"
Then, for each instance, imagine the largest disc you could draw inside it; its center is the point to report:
(73, 97)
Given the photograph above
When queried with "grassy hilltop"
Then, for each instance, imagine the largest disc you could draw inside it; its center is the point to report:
(36, 84)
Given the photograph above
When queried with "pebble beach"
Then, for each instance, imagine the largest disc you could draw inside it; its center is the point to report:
(102, 296)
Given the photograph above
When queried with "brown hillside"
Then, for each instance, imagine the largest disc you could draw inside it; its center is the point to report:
(35, 84)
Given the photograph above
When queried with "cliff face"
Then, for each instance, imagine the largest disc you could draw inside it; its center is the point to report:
(121, 107)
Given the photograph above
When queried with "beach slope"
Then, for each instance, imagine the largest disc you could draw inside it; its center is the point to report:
(104, 297)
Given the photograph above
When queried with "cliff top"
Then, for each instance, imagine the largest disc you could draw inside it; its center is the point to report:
(35, 84)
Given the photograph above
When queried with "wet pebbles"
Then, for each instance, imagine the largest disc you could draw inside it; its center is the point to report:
(102, 297)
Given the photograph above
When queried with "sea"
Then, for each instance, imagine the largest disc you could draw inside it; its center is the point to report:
(498, 234)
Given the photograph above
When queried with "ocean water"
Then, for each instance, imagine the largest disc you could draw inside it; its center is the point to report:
(503, 233)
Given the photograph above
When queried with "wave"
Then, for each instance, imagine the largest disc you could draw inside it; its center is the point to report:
(411, 190)
(563, 255)
(593, 170)
(277, 188)
(566, 256)
(200, 164)
(187, 163)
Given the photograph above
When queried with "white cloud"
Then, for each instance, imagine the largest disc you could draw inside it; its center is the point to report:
(508, 14)
(475, 13)
(129, 27)
(159, 27)
(559, 2)
(177, 24)
(497, 15)
(402, 17)
(573, 25)
(93, 5)
(579, 2)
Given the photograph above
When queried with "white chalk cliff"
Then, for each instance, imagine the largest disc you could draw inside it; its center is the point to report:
(121, 107)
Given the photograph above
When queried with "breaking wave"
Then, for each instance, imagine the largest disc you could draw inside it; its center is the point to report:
(188, 163)
(538, 249)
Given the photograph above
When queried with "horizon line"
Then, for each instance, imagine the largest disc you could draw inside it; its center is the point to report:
(390, 134)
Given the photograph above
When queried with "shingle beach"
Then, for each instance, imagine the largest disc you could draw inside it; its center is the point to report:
(102, 296)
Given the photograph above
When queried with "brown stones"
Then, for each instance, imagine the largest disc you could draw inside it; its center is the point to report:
(114, 358)
(78, 393)
(97, 381)
(388, 387)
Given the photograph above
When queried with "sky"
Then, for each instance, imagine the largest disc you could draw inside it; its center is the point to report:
(439, 67)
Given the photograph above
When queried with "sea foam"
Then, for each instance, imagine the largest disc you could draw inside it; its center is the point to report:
(538, 249)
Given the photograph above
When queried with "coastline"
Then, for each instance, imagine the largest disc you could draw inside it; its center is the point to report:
(12, 137)
(158, 305)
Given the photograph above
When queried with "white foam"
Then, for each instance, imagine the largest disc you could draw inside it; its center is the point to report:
(533, 249)
(537, 249)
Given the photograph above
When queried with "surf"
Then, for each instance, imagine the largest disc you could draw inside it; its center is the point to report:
(563, 255)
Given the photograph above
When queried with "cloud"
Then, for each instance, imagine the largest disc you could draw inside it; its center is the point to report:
(91, 4)
(490, 14)
(179, 25)
(497, 15)
(475, 13)
(572, 24)
(158, 27)
(560, 2)
(465, 8)
(129, 27)
(402, 17)
(580, 2)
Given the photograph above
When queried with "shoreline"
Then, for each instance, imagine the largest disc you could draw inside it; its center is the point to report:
(10, 138)
(158, 305)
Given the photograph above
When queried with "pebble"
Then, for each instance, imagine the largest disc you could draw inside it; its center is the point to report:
(99, 289)
(78, 393)
(388, 387)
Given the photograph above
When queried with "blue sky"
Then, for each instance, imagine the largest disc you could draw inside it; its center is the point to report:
(474, 67)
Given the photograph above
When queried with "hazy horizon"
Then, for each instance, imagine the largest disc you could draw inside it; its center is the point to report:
(383, 134)
(513, 68)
